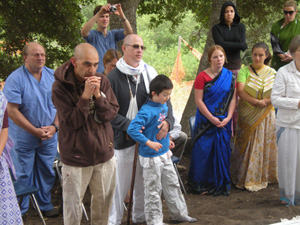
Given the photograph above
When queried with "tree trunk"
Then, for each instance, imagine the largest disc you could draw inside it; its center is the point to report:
(190, 108)
(129, 8)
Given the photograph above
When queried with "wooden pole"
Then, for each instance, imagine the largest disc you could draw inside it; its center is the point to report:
(136, 152)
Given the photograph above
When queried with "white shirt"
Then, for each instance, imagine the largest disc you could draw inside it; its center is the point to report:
(176, 129)
(286, 96)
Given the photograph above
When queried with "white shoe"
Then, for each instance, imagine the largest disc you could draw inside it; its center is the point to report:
(186, 219)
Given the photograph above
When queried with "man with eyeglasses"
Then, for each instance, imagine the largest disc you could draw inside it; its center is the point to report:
(33, 125)
(130, 82)
(102, 38)
(282, 33)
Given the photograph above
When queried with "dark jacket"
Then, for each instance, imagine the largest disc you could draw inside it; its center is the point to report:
(231, 38)
(120, 124)
(83, 141)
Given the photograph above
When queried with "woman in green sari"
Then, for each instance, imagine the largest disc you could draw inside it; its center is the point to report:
(254, 158)
(282, 33)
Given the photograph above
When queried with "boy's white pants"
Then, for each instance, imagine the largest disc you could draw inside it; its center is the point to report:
(161, 176)
(123, 181)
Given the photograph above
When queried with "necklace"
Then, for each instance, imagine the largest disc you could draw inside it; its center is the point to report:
(213, 74)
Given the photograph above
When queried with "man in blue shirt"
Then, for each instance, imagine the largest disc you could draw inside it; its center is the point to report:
(33, 125)
(102, 38)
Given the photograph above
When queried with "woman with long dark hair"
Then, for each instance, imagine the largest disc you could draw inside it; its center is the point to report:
(254, 158)
(231, 35)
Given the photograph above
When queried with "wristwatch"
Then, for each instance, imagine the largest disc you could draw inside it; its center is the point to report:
(56, 127)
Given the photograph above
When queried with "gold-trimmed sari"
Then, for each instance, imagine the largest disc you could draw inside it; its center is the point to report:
(254, 158)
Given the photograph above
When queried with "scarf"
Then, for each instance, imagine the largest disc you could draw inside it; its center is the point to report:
(147, 71)
(129, 70)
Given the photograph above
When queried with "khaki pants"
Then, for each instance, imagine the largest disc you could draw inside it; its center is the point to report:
(101, 180)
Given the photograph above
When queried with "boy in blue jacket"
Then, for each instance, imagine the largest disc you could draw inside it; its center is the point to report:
(155, 156)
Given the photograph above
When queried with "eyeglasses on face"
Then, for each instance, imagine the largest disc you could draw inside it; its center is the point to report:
(38, 55)
(289, 12)
(143, 48)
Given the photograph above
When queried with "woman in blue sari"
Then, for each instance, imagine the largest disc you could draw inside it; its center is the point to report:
(215, 99)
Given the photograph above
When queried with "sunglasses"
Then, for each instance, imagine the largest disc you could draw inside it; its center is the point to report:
(143, 48)
(289, 12)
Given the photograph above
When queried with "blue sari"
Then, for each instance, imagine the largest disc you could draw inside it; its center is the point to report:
(210, 161)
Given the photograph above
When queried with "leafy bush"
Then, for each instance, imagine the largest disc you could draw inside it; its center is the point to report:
(162, 45)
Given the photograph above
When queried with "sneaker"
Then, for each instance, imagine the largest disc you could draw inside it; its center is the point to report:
(51, 213)
(184, 218)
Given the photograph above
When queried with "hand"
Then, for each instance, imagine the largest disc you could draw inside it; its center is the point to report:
(267, 101)
(164, 129)
(172, 144)
(215, 121)
(96, 82)
(91, 87)
(49, 131)
(141, 130)
(40, 133)
(261, 103)
(119, 11)
(154, 145)
(224, 122)
(104, 9)
(287, 58)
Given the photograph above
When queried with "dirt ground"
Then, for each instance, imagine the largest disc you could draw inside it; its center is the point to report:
(241, 207)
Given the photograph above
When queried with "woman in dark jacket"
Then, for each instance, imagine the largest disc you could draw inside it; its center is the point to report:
(231, 35)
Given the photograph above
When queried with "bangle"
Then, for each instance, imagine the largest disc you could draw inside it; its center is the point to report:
(56, 127)
(123, 20)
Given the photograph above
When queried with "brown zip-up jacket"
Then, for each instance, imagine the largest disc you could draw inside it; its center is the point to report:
(85, 133)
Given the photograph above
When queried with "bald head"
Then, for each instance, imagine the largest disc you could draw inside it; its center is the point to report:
(29, 46)
(129, 38)
(84, 49)
(132, 49)
(34, 57)
(85, 61)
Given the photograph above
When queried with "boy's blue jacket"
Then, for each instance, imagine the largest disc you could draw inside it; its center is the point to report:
(149, 116)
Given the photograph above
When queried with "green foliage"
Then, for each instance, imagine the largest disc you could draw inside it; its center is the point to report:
(55, 24)
(162, 45)
(259, 19)
(88, 9)
(174, 11)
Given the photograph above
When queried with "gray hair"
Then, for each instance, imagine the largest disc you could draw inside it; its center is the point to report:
(294, 45)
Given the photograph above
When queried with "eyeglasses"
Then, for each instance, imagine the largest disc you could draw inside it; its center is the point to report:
(289, 12)
(38, 55)
(143, 48)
